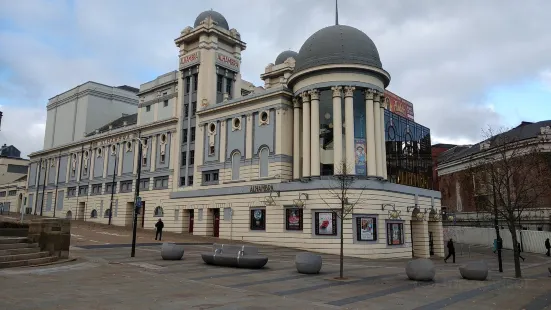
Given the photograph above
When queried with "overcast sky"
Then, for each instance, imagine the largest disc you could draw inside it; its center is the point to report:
(464, 64)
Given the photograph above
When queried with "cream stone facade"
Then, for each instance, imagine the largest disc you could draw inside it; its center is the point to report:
(224, 158)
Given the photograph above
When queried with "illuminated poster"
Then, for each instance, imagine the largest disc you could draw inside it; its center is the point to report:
(326, 223)
(399, 105)
(366, 228)
(294, 219)
(395, 233)
(359, 148)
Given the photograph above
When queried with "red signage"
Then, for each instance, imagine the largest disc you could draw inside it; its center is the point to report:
(399, 105)
(232, 62)
(190, 58)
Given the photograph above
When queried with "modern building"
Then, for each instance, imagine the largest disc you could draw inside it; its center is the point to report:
(463, 196)
(222, 157)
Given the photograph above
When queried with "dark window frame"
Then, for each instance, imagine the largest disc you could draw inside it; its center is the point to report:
(334, 224)
(125, 186)
(389, 240)
(255, 224)
(163, 180)
(288, 224)
(358, 224)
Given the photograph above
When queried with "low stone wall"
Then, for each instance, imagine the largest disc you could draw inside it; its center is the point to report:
(13, 229)
(52, 235)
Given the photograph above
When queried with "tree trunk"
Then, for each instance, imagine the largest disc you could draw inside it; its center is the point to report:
(518, 271)
(342, 241)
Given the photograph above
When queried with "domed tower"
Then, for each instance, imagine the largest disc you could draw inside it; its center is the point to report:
(278, 73)
(338, 83)
(209, 65)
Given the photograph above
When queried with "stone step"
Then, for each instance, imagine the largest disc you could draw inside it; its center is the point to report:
(11, 240)
(10, 246)
(28, 256)
(28, 262)
(17, 251)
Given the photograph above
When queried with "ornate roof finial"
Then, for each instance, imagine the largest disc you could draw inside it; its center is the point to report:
(336, 12)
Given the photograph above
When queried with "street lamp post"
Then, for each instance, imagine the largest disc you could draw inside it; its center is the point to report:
(137, 194)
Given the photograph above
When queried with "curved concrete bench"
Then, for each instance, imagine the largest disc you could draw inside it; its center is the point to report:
(421, 269)
(172, 251)
(308, 263)
(240, 256)
(474, 271)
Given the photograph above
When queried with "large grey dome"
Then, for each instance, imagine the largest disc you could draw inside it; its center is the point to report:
(284, 55)
(338, 44)
(217, 17)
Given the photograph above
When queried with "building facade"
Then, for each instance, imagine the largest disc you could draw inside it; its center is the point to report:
(221, 157)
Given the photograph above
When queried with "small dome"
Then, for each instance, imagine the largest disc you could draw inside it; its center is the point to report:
(217, 17)
(338, 44)
(284, 55)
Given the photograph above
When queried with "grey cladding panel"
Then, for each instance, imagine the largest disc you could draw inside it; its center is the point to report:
(49, 202)
(98, 165)
(128, 159)
(235, 139)
(32, 174)
(17, 169)
(59, 201)
(113, 158)
(62, 177)
(263, 134)
(210, 157)
(51, 174)
(166, 147)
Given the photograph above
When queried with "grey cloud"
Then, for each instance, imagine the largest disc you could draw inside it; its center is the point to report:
(443, 56)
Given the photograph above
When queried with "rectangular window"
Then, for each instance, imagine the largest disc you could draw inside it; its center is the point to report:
(293, 219)
(395, 233)
(144, 161)
(96, 189)
(215, 176)
(12, 193)
(144, 184)
(2, 194)
(71, 192)
(192, 134)
(161, 183)
(211, 150)
(186, 109)
(192, 157)
(184, 136)
(229, 83)
(206, 177)
(109, 187)
(163, 157)
(258, 219)
(210, 177)
(190, 180)
(195, 81)
(219, 82)
(182, 181)
(188, 81)
(165, 103)
(193, 108)
(126, 186)
(83, 190)
(184, 159)
(366, 228)
(326, 223)
(148, 108)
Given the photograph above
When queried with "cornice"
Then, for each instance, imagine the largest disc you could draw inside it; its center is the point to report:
(335, 67)
(158, 99)
(247, 101)
(108, 134)
(162, 85)
(91, 92)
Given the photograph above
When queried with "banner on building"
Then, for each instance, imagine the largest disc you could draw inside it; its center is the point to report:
(360, 151)
(399, 105)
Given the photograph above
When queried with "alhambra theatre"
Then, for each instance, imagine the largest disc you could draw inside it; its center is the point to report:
(225, 158)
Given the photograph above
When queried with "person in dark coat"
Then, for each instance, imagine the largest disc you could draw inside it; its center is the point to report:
(451, 251)
(159, 229)
(547, 246)
(518, 248)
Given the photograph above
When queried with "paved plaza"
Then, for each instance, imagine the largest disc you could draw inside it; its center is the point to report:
(103, 276)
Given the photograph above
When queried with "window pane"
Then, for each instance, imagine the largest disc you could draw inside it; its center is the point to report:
(236, 163)
(263, 162)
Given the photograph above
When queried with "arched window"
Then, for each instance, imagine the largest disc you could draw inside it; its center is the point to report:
(106, 213)
(69, 215)
(94, 214)
(263, 162)
(158, 212)
(235, 165)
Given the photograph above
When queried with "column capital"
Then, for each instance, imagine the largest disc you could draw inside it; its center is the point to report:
(369, 93)
(381, 101)
(337, 91)
(296, 103)
(349, 91)
(305, 97)
(314, 94)
(378, 97)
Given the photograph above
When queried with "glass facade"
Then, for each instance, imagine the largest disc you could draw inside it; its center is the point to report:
(408, 152)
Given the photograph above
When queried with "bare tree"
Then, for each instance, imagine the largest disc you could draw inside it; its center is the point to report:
(339, 189)
(510, 175)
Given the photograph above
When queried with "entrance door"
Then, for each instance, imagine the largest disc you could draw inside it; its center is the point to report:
(216, 222)
(80, 211)
(191, 218)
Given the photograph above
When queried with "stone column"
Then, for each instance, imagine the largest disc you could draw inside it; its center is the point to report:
(349, 128)
(435, 227)
(315, 132)
(337, 130)
(378, 135)
(370, 134)
(383, 137)
(420, 238)
(296, 139)
(305, 134)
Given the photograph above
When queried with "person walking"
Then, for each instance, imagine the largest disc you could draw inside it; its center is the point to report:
(159, 229)
(518, 248)
(451, 251)
(547, 246)
(495, 246)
